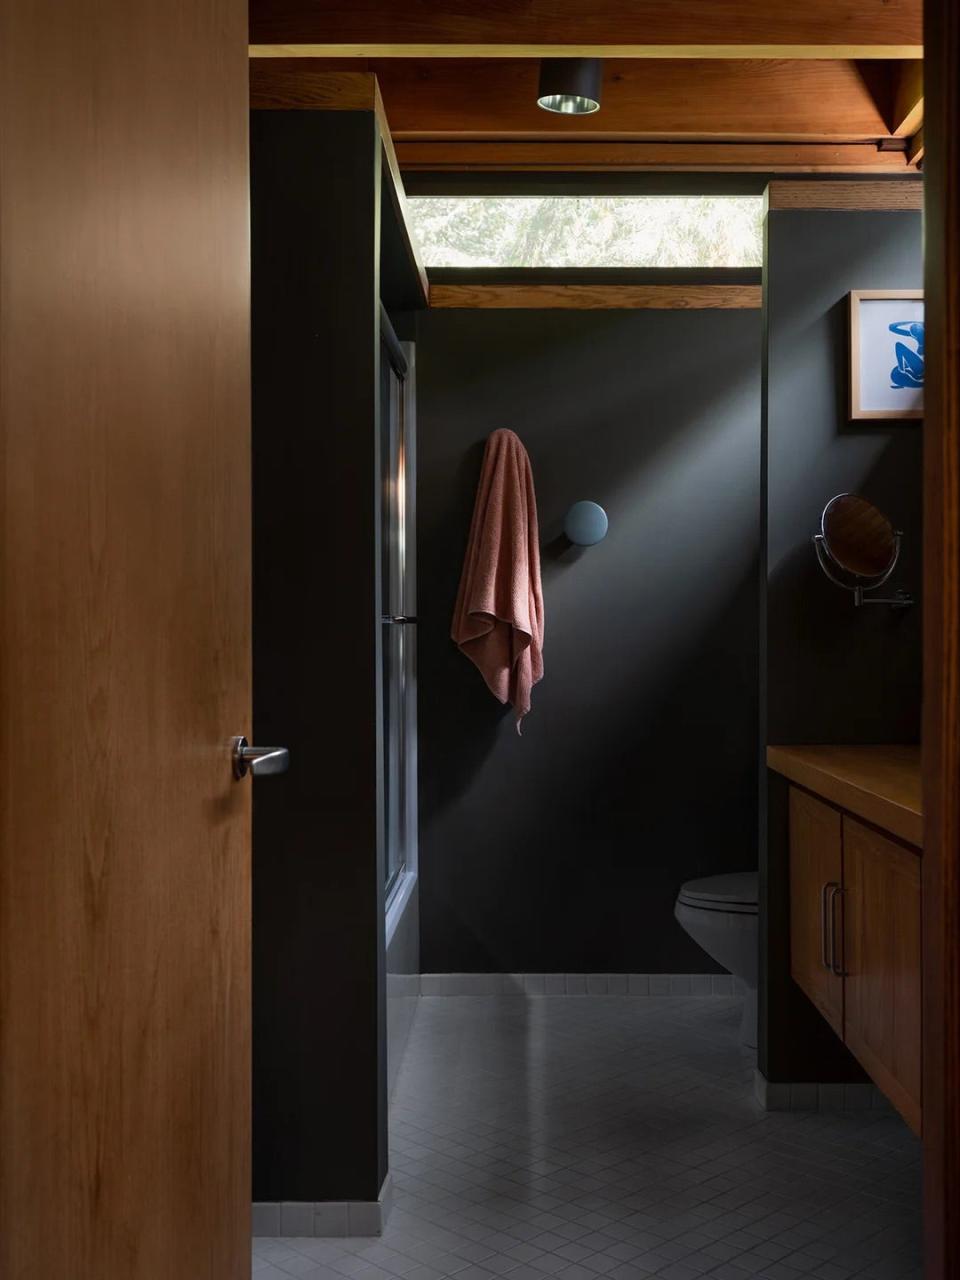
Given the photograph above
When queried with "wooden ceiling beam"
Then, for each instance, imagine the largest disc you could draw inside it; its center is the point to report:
(907, 114)
(649, 157)
(446, 99)
(605, 28)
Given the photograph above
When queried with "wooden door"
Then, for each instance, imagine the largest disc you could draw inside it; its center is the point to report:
(816, 875)
(882, 959)
(941, 643)
(124, 641)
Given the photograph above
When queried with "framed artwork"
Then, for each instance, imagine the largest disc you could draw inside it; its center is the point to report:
(886, 353)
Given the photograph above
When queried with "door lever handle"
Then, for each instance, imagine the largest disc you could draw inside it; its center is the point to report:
(258, 760)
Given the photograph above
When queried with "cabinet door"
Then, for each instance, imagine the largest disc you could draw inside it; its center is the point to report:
(882, 960)
(816, 862)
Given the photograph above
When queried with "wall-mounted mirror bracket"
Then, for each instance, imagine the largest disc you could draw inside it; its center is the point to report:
(858, 549)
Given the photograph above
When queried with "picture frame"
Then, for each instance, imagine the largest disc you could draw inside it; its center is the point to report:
(886, 353)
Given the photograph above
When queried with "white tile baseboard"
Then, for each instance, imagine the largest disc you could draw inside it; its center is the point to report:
(330, 1218)
(796, 1096)
(577, 984)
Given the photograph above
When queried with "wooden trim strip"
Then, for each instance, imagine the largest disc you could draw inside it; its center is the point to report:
(662, 297)
(859, 52)
(891, 196)
(663, 157)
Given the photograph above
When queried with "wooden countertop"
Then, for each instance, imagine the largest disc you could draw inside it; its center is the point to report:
(880, 784)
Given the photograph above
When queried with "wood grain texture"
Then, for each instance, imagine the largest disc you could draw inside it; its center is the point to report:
(893, 197)
(816, 866)
(882, 986)
(623, 297)
(624, 24)
(906, 116)
(941, 631)
(655, 157)
(297, 84)
(635, 52)
(124, 641)
(826, 100)
(880, 784)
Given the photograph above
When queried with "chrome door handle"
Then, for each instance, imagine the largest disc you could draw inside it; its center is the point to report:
(258, 760)
(399, 620)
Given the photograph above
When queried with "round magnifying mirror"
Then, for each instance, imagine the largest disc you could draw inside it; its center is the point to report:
(859, 539)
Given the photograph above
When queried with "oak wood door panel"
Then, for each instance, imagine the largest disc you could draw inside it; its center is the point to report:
(882, 957)
(816, 873)
(124, 641)
(941, 644)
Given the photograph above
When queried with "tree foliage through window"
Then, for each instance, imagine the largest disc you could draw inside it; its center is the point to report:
(589, 231)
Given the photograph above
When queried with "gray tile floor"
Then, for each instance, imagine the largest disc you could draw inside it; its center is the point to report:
(617, 1136)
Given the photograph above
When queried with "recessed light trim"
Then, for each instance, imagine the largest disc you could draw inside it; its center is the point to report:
(568, 104)
(570, 86)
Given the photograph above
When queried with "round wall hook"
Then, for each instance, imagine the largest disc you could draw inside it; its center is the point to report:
(585, 524)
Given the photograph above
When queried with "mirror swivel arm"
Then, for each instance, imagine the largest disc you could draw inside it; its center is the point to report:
(901, 600)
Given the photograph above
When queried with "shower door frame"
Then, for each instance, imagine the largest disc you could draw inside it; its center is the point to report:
(402, 605)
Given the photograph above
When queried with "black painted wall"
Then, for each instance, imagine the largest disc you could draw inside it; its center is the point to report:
(319, 1106)
(831, 673)
(562, 851)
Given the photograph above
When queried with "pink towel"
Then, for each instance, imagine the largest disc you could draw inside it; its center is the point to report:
(498, 619)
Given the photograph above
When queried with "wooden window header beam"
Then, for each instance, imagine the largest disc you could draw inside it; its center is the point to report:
(884, 197)
(662, 297)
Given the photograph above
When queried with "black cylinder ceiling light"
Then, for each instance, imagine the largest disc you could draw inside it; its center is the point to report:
(570, 86)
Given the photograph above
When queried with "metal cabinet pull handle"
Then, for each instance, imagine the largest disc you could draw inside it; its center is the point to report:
(835, 891)
(258, 760)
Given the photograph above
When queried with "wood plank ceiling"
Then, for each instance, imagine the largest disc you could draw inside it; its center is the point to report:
(824, 86)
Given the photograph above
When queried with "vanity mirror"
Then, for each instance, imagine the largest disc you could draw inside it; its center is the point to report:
(858, 549)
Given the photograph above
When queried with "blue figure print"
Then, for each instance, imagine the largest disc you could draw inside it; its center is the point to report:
(908, 371)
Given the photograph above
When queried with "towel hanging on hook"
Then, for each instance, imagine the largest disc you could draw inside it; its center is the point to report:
(498, 618)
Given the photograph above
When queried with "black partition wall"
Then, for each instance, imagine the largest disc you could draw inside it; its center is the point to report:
(319, 1015)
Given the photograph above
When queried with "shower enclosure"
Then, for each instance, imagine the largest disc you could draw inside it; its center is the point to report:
(398, 609)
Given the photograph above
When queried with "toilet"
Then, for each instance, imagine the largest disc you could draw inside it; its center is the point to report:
(720, 915)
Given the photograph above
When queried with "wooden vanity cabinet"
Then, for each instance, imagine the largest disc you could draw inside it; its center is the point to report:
(816, 875)
(882, 958)
(855, 941)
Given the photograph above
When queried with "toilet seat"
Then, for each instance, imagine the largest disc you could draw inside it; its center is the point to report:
(735, 894)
